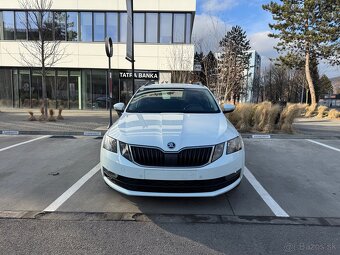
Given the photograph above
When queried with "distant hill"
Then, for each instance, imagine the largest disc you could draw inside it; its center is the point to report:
(336, 84)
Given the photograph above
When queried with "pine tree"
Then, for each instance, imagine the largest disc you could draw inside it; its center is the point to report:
(307, 27)
(233, 61)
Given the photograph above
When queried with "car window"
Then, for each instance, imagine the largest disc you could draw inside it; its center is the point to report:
(173, 100)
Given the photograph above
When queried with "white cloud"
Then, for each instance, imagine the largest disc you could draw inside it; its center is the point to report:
(207, 32)
(218, 5)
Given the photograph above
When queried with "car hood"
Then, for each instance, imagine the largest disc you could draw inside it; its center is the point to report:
(183, 129)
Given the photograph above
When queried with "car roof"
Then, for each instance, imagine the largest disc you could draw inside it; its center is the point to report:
(173, 86)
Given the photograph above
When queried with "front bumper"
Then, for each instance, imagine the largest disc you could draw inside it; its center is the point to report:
(208, 181)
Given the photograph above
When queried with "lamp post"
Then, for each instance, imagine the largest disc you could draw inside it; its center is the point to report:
(109, 54)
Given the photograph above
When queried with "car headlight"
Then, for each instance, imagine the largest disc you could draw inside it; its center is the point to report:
(234, 145)
(218, 152)
(124, 151)
(110, 144)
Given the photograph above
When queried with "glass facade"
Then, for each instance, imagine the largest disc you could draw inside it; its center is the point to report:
(8, 25)
(69, 89)
(72, 26)
(21, 25)
(99, 27)
(165, 28)
(150, 27)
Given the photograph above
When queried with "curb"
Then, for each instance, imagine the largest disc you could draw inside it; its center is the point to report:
(102, 133)
(170, 218)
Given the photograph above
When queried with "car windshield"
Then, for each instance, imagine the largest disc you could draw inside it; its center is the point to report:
(174, 101)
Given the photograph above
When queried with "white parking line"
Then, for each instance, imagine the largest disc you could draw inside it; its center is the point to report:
(18, 144)
(68, 193)
(324, 145)
(276, 209)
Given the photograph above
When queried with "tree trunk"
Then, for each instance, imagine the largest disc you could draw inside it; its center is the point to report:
(309, 79)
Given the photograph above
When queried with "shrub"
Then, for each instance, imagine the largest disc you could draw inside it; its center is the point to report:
(261, 115)
(31, 118)
(42, 116)
(321, 111)
(245, 117)
(310, 110)
(60, 117)
(51, 118)
(273, 115)
(333, 114)
(287, 117)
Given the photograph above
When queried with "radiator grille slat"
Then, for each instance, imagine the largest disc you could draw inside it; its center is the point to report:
(188, 157)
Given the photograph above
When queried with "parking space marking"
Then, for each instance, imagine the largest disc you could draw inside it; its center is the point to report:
(73, 189)
(324, 145)
(267, 198)
(29, 141)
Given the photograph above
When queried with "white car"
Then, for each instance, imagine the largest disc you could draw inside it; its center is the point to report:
(172, 140)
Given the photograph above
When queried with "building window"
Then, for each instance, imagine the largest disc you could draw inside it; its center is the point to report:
(21, 25)
(33, 28)
(188, 28)
(72, 26)
(99, 26)
(8, 25)
(139, 27)
(152, 27)
(60, 26)
(122, 27)
(112, 25)
(165, 28)
(86, 26)
(179, 27)
(47, 25)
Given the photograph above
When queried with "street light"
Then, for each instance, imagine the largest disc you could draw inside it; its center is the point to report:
(109, 54)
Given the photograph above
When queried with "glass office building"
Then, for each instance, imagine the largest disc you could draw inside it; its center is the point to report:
(80, 79)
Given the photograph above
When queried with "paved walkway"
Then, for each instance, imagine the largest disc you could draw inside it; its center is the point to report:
(74, 121)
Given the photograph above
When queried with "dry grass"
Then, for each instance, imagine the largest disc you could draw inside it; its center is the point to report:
(51, 118)
(333, 114)
(60, 117)
(42, 116)
(310, 110)
(273, 115)
(32, 117)
(246, 112)
(321, 110)
(287, 117)
(261, 115)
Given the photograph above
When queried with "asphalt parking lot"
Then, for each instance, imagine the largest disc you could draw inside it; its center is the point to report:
(284, 178)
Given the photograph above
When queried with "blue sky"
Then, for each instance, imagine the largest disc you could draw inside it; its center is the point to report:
(215, 17)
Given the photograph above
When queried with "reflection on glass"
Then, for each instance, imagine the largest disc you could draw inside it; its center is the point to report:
(152, 27)
(166, 28)
(8, 25)
(139, 23)
(179, 27)
(112, 25)
(188, 29)
(36, 89)
(47, 25)
(99, 89)
(60, 26)
(5, 88)
(99, 26)
(51, 89)
(74, 86)
(62, 92)
(123, 27)
(86, 89)
(21, 25)
(72, 26)
(86, 26)
(16, 90)
(33, 21)
(24, 88)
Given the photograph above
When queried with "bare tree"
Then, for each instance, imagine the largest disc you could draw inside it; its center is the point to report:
(41, 49)
(180, 63)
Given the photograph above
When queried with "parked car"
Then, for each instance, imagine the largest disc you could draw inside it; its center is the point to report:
(172, 140)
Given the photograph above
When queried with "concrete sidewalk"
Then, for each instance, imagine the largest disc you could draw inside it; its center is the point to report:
(74, 121)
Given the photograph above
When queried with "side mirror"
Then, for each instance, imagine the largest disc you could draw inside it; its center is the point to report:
(119, 108)
(227, 108)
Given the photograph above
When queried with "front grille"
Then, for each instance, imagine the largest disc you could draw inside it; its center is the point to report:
(185, 158)
(143, 185)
